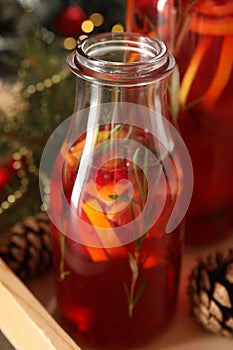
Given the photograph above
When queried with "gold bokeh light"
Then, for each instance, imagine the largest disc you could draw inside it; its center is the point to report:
(97, 19)
(69, 43)
(87, 26)
(118, 27)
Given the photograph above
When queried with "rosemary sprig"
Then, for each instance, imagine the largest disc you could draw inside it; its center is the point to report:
(143, 193)
(192, 103)
(128, 135)
(125, 199)
(173, 91)
(130, 292)
(150, 24)
(62, 270)
(134, 259)
(145, 170)
(118, 128)
(115, 133)
(139, 183)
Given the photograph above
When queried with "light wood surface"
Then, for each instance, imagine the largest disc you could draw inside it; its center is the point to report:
(24, 321)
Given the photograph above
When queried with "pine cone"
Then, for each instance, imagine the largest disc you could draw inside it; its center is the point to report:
(210, 291)
(27, 250)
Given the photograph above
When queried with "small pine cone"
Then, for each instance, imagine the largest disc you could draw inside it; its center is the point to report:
(210, 291)
(27, 250)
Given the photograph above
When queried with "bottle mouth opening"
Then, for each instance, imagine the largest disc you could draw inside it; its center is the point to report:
(125, 54)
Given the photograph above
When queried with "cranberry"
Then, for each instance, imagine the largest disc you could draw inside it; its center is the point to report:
(121, 174)
(104, 176)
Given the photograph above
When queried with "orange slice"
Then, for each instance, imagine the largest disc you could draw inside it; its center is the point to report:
(97, 254)
(209, 26)
(152, 34)
(209, 8)
(152, 261)
(77, 148)
(99, 220)
(192, 69)
(223, 73)
(104, 135)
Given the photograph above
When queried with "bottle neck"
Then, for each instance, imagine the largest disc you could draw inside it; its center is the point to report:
(121, 58)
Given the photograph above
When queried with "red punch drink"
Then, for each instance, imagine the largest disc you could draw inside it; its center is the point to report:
(117, 297)
(205, 58)
(201, 36)
(120, 187)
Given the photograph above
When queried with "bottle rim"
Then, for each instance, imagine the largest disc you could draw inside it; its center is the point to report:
(121, 57)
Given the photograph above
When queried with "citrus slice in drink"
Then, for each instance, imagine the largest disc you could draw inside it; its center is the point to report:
(109, 242)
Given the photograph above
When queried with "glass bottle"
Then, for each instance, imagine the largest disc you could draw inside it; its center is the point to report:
(117, 188)
(152, 18)
(203, 49)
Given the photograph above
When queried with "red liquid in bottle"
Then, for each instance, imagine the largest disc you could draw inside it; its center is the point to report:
(121, 296)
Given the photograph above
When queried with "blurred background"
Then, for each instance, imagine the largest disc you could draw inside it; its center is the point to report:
(37, 88)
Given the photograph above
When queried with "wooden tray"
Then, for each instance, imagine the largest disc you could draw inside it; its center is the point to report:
(27, 314)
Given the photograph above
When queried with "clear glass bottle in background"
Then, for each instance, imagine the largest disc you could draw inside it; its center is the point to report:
(154, 18)
(116, 183)
(200, 34)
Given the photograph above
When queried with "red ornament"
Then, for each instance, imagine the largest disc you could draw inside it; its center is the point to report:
(4, 177)
(70, 20)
